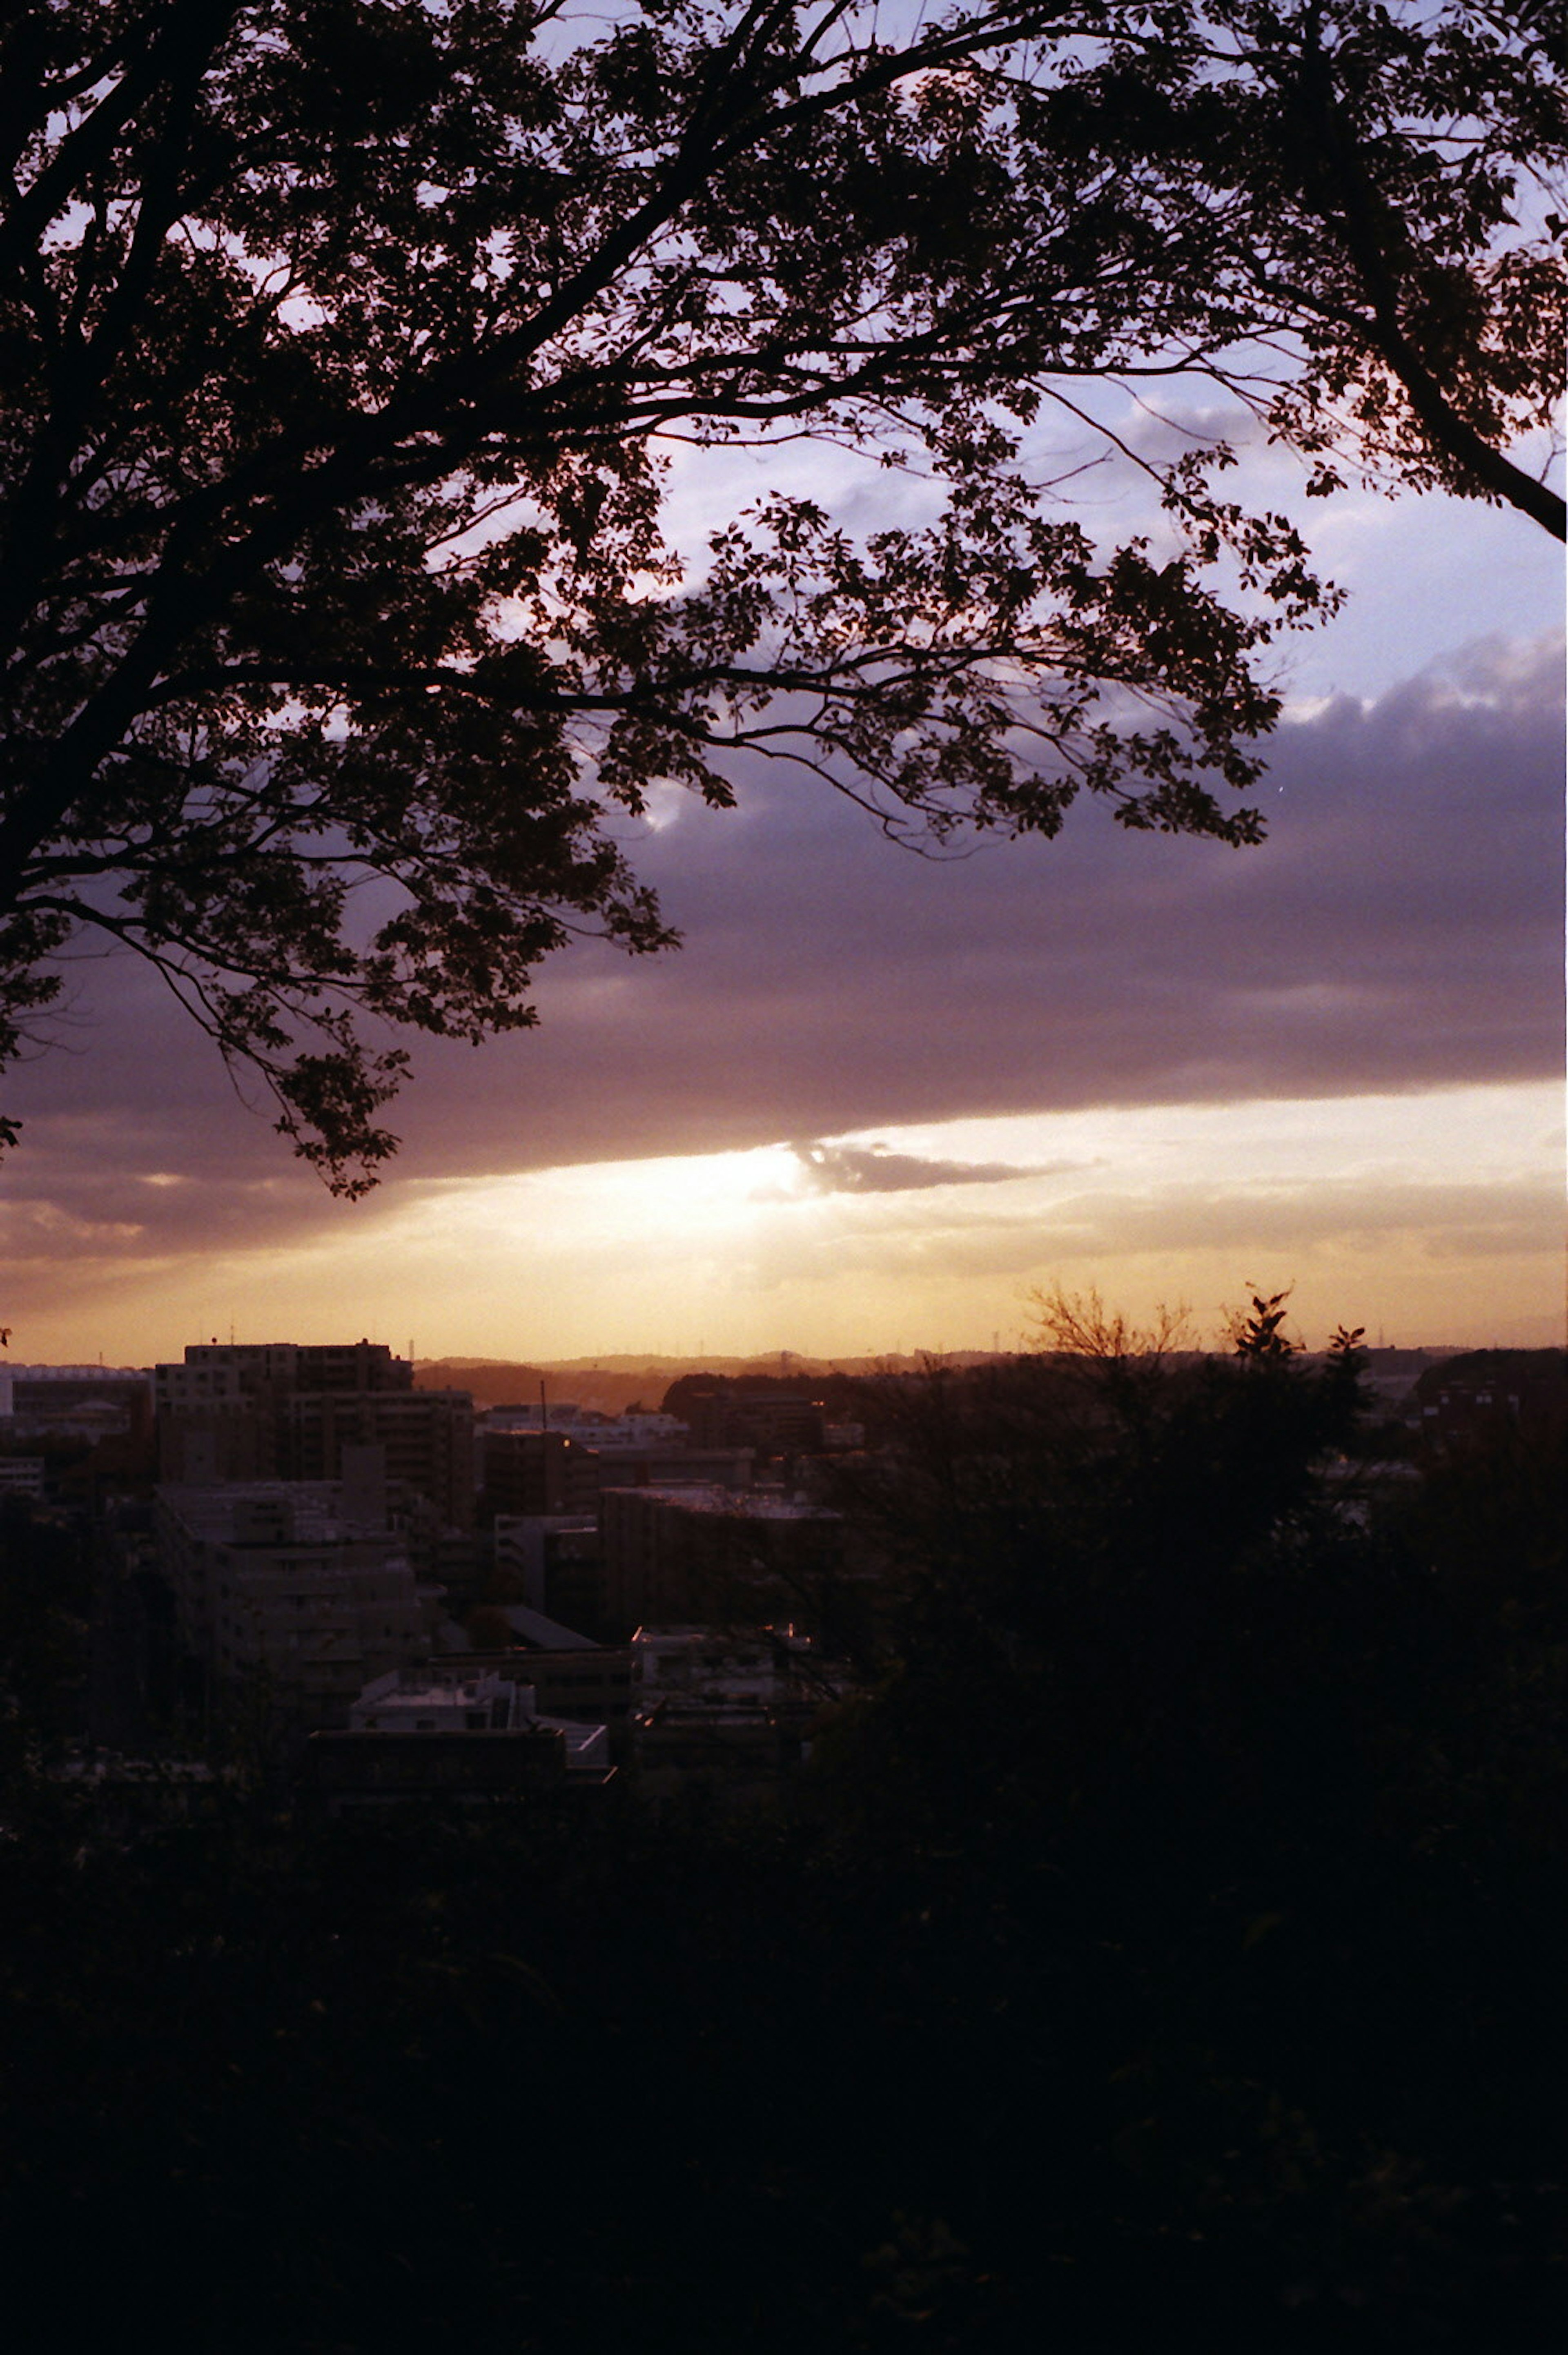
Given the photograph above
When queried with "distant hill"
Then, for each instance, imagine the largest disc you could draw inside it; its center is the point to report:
(494, 1382)
(614, 1383)
(611, 1384)
(610, 1387)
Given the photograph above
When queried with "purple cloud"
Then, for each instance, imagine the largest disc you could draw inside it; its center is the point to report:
(1401, 928)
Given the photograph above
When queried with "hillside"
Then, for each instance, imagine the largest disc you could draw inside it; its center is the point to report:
(614, 1383)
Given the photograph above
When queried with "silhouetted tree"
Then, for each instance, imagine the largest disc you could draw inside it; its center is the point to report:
(343, 341)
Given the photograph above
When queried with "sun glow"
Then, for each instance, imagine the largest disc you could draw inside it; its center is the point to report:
(713, 1197)
(1434, 1208)
(1435, 1215)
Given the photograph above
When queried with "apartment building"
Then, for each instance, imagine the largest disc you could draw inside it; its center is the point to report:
(530, 1471)
(288, 1410)
(428, 1436)
(276, 1580)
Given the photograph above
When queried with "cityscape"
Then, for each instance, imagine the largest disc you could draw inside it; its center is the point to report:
(376, 1744)
(326, 1542)
(784, 1418)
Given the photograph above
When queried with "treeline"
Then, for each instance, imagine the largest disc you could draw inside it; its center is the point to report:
(1170, 1948)
(845, 1396)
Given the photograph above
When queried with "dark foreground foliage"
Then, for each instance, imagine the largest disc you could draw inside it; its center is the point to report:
(1170, 1952)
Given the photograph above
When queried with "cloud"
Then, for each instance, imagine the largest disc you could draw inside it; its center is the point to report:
(876, 1169)
(28, 1228)
(1289, 1224)
(1399, 930)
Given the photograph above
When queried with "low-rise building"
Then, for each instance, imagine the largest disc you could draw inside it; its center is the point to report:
(74, 1401)
(443, 1732)
(730, 1710)
(590, 1426)
(436, 1701)
(571, 1676)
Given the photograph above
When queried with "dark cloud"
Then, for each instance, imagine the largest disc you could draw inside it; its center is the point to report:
(877, 1169)
(1401, 928)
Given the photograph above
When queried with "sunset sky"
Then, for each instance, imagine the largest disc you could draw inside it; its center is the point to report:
(876, 1100)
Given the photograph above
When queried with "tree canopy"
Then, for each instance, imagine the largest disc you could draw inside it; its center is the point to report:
(345, 342)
